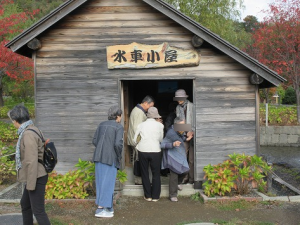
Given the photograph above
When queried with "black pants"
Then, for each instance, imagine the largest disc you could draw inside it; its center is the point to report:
(154, 159)
(33, 202)
(174, 180)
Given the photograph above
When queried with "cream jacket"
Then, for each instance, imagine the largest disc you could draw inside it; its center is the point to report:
(152, 133)
(137, 116)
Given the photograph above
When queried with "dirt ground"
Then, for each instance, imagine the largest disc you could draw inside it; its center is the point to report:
(135, 210)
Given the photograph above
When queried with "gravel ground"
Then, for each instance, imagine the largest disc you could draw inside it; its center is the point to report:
(14, 193)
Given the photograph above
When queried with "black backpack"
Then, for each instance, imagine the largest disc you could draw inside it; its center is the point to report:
(50, 154)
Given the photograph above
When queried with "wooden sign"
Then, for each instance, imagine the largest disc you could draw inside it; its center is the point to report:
(140, 56)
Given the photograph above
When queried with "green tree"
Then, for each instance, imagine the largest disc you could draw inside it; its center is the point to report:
(44, 6)
(290, 96)
(250, 23)
(219, 16)
(281, 93)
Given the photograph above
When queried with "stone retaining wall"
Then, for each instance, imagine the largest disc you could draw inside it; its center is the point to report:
(280, 136)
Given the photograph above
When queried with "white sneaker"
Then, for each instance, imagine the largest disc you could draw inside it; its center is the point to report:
(179, 187)
(104, 213)
(174, 199)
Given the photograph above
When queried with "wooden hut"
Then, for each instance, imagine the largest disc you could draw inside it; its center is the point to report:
(73, 46)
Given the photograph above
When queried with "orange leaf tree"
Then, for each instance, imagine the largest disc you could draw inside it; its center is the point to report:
(277, 42)
(12, 65)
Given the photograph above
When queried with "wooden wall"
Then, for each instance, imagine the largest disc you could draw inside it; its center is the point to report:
(75, 88)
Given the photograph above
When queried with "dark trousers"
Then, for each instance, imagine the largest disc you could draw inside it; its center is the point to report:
(154, 159)
(174, 180)
(189, 150)
(33, 202)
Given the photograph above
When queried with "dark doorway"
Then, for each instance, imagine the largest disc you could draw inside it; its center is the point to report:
(162, 91)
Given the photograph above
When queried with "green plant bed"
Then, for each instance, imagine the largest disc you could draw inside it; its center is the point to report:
(279, 115)
(76, 184)
(8, 133)
(240, 173)
(10, 103)
(7, 164)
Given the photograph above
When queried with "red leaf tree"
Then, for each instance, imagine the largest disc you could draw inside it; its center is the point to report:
(277, 42)
(14, 66)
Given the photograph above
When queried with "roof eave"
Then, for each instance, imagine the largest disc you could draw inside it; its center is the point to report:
(217, 41)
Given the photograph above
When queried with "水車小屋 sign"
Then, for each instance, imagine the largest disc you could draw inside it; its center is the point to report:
(139, 56)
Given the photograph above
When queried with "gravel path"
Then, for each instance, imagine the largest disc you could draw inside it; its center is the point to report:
(14, 193)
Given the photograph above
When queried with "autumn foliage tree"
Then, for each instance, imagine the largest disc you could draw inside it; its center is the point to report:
(12, 65)
(277, 42)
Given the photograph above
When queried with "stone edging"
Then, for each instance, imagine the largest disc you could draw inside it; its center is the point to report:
(9, 188)
(221, 199)
(262, 197)
(279, 198)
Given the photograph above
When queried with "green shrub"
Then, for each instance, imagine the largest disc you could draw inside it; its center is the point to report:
(70, 185)
(240, 172)
(278, 115)
(290, 96)
(75, 184)
(7, 162)
(87, 169)
(8, 132)
(10, 102)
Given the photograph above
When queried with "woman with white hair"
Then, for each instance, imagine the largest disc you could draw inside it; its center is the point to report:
(29, 150)
(108, 140)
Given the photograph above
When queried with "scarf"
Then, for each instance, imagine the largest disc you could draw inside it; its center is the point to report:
(20, 133)
(182, 109)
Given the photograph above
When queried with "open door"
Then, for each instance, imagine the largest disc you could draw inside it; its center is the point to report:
(133, 92)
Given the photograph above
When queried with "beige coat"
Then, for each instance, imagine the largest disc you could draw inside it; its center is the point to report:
(137, 116)
(31, 149)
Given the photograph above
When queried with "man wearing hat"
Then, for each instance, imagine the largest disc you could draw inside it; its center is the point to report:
(185, 110)
(151, 132)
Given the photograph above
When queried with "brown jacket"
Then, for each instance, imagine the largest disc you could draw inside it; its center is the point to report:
(31, 149)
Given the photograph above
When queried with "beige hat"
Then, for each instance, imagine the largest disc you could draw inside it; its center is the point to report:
(180, 93)
(153, 113)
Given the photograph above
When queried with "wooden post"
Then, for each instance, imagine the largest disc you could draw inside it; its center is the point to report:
(267, 112)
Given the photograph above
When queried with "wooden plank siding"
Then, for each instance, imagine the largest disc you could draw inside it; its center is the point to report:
(75, 88)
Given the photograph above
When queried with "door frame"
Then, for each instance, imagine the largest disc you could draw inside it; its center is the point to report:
(121, 104)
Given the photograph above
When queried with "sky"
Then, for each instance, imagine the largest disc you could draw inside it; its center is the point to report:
(253, 7)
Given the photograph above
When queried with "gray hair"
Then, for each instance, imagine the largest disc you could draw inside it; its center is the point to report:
(148, 99)
(113, 112)
(19, 113)
(178, 120)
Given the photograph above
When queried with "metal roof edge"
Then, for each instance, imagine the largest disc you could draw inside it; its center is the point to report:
(216, 37)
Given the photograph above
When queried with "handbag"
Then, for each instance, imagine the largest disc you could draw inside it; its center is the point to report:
(137, 168)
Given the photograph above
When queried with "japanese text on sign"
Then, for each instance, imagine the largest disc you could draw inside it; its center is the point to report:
(149, 56)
